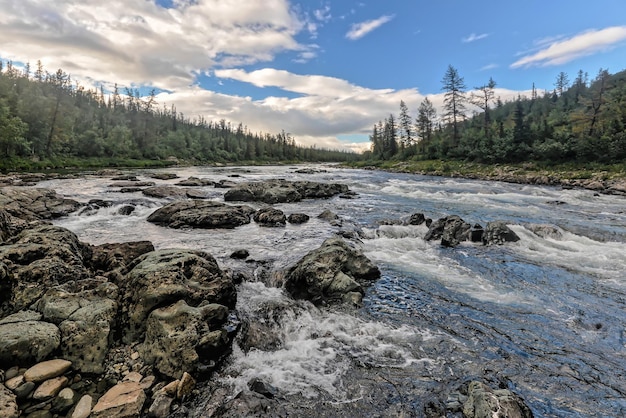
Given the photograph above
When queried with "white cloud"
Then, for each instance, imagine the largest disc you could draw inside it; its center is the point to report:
(562, 51)
(474, 37)
(359, 30)
(489, 67)
(323, 15)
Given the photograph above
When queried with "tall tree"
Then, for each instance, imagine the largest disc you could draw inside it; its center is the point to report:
(406, 126)
(561, 84)
(454, 100)
(425, 122)
(484, 98)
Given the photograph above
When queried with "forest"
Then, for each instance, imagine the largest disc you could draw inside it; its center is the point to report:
(47, 120)
(578, 122)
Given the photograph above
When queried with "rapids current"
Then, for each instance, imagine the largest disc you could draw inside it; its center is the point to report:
(545, 316)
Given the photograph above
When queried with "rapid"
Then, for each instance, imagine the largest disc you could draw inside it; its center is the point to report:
(544, 316)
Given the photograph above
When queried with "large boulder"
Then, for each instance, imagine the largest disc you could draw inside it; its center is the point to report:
(33, 204)
(201, 214)
(270, 217)
(282, 191)
(452, 230)
(38, 259)
(85, 312)
(333, 272)
(25, 339)
(164, 277)
(485, 402)
(497, 233)
(116, 256)
(179, 337)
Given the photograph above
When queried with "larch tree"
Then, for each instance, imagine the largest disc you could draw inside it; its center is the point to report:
(483, 98)
(454, 100)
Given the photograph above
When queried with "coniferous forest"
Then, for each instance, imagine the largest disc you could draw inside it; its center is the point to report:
(581, 121)
(47, 120)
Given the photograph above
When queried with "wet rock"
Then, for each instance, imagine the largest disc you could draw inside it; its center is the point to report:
(163, 277)
(26, 341)
(24, 390)
(195, 194)
(259, 386)
(247, 404)
(240, 254)
(126, 210)
(270, 217)
(125, 177)
(64, 401)
(179, 337)
(130, 189)
(32, 204)
(497, 233)
(14, 382)
(83, 407)
(484, 402)
(225, 184)
(162, 192)
(8, 403)
(163, 176)
(452, 230)
(331, 217)
(132, 184)
(546, 231)
(195, 182)
(298, 218)
(10, 226)
(201, 214)
(329, 272)
(476, 233)
(417, 219)
(47, 370)
(124, 400)
(348, 195)
(282, 191)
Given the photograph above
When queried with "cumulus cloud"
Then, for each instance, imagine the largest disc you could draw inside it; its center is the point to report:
(561, 51)
(474, 37)
(359, 30)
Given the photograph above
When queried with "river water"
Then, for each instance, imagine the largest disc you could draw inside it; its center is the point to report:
(544, 317)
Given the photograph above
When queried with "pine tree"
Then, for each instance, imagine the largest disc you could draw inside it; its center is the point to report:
(425, 122)
(484, 100)
(454, 100)
(406, 127)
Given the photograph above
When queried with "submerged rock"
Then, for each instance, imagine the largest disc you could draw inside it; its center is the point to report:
(201, 214)
(497, 233)
(331, 273)
(298, 218)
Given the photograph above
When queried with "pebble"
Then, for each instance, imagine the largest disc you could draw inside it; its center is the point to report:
(186, 385)
(11, 373)
(83, 407)
(23, 390)
(47, 370)
(14, 382)
(50, 388)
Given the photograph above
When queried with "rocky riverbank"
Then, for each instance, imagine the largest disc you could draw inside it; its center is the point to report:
(125, 330)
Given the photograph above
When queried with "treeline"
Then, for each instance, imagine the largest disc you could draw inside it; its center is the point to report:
(46, 115)
(582, 121)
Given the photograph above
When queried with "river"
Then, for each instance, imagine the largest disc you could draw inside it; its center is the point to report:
(544, 317)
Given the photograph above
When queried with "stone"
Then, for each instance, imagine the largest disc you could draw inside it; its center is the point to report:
(161, 406)
(201, 214)
(24, 390)
(417, 219)
(546, 231)
(8, 403)
(484, 402)
(83, 407)
(64, 401)
(47, 370)
(282, 191)
(15, 370)
(328, 215)
(240, 254)
(185, 386)
(124, 400)
(329, 272)
(452, 230)
(163, 176)
(270, 217)
(147, 382)
(107, 257)
(497, 233)
(162, 192)
(42, 413)
(50, 388)
(163, 277)
(31, 204)
(259, 386)
(171, 388)
(195, 182)
(133, 377)
(139, 185)
(14, 382)
(179, 337)
(27, 342)
(298, 218)
(126, 210)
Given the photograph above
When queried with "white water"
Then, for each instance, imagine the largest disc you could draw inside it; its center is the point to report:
(530, 308)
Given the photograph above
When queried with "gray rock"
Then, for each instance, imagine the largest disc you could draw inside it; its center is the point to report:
(179, 337)
(329, 272)
(161, 192)
(417, 219)
(452, 230)
(23, 390)
(32, 204)
(259, 386)
(195, 182)
(240, 254)
(298, 218)
(164, 277)
(546, 231)
(27, 342)
(161, 405)
(163, 176)
(282, 191)
(201, 214)
(107, 257)
(484, 402)
(270, 217)
(497, 233)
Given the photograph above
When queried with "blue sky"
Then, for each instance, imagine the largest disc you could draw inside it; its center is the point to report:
(325, 71)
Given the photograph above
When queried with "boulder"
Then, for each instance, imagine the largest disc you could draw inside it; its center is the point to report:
(201, 214)
(452, 230)
(162, 192)
(330, 273)
(298, 218)
(270, 217)
(163, 277)
(417, 219)
(179, 337)
(497, 233)
(132, 184)
(10, 225)
(85, 312)
(240, 254)
(163, 176)
(546, 231)
(282, 191)
(32, 204)
(107, 257)
(124, 400)
(24, 339)
(195, 182)
(8, 403)
(39, 259)
(484, 402)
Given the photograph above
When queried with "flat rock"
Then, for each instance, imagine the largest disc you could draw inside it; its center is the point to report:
(27, 342)
(47, 370)
(32, 204)
(50, 388)
(124, 400)
(282, 191)
(201, 214)
(165, 192)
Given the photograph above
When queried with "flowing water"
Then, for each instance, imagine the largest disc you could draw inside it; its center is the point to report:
(544, 317)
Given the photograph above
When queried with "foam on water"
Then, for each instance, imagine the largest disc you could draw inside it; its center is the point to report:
(317, 346)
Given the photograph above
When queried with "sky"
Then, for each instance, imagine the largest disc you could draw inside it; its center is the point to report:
(325, 71)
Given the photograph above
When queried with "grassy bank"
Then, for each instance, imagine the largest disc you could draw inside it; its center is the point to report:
(71, 163)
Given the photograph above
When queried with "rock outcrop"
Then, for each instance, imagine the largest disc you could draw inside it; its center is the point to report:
(201, 214)
(36, 203)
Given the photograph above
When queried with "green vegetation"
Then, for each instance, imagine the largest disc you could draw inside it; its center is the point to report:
(578, 125)
(47, 121)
